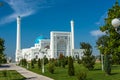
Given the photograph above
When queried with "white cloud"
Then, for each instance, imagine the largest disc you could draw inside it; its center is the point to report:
(97, 33)
(101, 19)
(23, 8)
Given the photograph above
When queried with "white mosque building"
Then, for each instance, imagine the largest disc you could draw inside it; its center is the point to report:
(59, 43)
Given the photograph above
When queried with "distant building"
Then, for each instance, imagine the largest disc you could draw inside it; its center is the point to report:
(59, 43)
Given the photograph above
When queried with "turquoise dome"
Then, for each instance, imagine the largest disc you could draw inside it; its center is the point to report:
(38, 39)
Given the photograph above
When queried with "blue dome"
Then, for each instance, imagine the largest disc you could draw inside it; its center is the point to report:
(38, 39)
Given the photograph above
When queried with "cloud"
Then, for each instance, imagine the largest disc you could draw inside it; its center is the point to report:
(101, 19)
(23, 8)
(97, 33)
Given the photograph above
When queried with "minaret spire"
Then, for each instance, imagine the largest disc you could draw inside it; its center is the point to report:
(72, 35)
(18, 40)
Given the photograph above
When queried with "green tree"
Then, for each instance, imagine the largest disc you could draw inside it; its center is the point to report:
(32, 63)
(46, 60)
(39, 63)
(51, 67)
(102, 43)
(113, 44)
(2, 48)
(88, 59)
(62, 60)
(71, 71)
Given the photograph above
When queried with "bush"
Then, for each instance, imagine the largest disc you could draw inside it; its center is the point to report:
(79, 61)
(39, 63)
(57, 63)
(45, 60)
(81, 75)
(4, 72)
(23, 62)
(51, 67)
(32, 63)
(70, 67)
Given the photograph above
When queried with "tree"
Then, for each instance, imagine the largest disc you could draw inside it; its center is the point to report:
(71, 71)
(101, 43)
(88, 59)
(2, 48)
(113, 44)
(51, 67)
(39, 63)
(62, 60)
(32, 63)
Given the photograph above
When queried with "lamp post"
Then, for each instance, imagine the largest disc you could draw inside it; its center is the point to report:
(116, 24)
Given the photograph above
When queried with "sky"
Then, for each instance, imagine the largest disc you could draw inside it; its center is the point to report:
(40, 17)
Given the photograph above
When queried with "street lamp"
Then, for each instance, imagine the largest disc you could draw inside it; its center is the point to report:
(116, 24)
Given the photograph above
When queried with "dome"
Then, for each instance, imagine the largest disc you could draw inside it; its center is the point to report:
(38, 39)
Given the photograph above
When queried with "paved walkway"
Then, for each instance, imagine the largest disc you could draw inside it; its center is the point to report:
(24, 72)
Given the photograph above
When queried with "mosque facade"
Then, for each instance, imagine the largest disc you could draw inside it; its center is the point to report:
(59, 43)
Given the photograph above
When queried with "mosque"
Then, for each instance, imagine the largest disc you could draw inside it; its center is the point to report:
(59, 43)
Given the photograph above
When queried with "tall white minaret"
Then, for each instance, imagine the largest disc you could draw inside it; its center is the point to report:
(18, 40)
(72, 34)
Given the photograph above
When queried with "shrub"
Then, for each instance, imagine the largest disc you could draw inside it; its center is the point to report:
(32, 63)
(81, 75)
(4, 72)
(39, 63)
(51, 67)
(45, 60)
(70, 67)
(57, 63)
(79, 61)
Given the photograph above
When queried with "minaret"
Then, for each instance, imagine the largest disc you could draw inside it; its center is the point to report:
(18, 40)
(72, 33)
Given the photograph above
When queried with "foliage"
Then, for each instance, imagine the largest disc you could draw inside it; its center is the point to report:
(51, 67)
(88, 59)
(34, 60)
(10, 75)
(111, 47)
(107, 65)
(39, 63)
(96, 74)
(2, 48)
(63, 60)
(79, 61)
(71, 71)
(4, 72)
(57, 62)
(46, 60)
(23, 62)
(81, 75)
(32, 63)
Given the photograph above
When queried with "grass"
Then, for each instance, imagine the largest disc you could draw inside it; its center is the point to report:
(10, 75)
(96, 74)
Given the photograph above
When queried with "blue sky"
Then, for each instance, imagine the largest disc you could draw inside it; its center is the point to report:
(39, 17)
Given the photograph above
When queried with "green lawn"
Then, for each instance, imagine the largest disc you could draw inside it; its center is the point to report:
(10, 75)
(96, 74)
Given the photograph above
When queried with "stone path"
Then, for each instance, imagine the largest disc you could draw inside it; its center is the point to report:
(24, 72)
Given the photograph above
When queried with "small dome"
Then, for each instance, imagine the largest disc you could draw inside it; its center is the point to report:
(39, 38)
